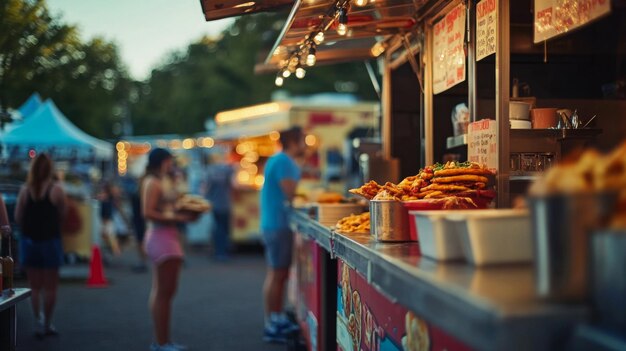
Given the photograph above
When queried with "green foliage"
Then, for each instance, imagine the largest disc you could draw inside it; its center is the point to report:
(90, 84)
(39, 53)
(218, 74)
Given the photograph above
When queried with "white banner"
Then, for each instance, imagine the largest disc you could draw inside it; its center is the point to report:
(554, 17)
(448, 52)
(486, 20)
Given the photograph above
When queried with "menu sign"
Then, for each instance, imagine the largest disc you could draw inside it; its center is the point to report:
(448, 52)
(554, 17)
(486, 18)
(482, 143)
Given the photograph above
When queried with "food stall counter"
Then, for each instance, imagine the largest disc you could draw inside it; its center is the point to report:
(486, 309)
(8, 328)
(312, 229)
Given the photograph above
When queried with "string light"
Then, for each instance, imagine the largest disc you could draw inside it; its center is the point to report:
(279, 81)
(310, 58)
(286, 73)
(360, 3)
(300, 72)
(342, 28)
(318, 38)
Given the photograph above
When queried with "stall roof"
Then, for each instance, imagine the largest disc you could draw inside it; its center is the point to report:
(218, 9)
(366, 26)
(30, 105)
(48, 127)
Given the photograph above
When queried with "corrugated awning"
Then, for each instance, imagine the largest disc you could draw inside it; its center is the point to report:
(366, 25)
(218, 9)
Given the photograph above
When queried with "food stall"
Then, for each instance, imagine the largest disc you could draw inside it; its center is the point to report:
(250, 134)
(435, 55)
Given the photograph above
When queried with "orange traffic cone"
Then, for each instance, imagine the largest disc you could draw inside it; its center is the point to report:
(96, 270)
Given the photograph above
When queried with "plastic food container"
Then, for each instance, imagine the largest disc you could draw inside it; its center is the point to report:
(494, 236)
(519, 110)
(329, 214)
(389, 221)
(439, 239)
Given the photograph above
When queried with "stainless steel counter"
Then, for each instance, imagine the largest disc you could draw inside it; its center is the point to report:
(487, 308)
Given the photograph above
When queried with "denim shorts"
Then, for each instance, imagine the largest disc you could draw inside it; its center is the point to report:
(278, 248)
(42, 254)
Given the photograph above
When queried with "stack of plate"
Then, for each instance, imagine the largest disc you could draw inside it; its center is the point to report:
(520, 124)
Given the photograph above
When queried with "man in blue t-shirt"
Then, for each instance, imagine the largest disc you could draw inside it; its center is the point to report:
(281, 179)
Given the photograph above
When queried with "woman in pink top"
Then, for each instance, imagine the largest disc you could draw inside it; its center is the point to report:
(162, 243)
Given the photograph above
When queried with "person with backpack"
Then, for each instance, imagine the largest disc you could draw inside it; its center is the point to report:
(39, 212)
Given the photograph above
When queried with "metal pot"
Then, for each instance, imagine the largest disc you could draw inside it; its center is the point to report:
(608, 276)
(562, 225)
(389, 221)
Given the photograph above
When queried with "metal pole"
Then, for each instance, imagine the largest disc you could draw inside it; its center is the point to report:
(503, 73)
(372, 75)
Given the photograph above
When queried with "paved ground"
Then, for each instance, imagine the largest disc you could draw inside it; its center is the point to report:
(218, 307)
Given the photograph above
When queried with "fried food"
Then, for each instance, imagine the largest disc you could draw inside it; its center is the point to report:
(589, 172)
(450, 188)
(355, 223)
(458, 168)
(461, 179)
(432, 182)
(369, 190)
(192, 203)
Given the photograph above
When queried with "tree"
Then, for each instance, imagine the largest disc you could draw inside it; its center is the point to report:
(218, 74)
(40, 53)
(31, 41)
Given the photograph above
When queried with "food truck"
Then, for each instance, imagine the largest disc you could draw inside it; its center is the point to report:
(250, 135)
(542, 79)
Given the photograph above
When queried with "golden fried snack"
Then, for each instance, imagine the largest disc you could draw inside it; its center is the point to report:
(393, 190)
(435, 195)
(383, 196)
(355, 223)
(368, 190)
(460, 178)
(461, 171)
(446, 187)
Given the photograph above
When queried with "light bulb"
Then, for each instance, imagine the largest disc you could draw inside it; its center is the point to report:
(300, 72)
(279, 81)
(319, 38)
(342, 29)
(286, 73)
(310, 58)
(360, 2)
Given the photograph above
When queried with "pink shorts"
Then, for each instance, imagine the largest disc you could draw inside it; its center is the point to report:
(162, 243)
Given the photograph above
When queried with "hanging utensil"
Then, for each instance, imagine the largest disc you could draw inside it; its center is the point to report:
(589, 121)
(567, 124)
(575, 120)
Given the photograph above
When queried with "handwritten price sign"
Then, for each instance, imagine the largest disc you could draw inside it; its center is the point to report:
(448, 53)
(486, 18)
(482, 143)
(555, 17)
